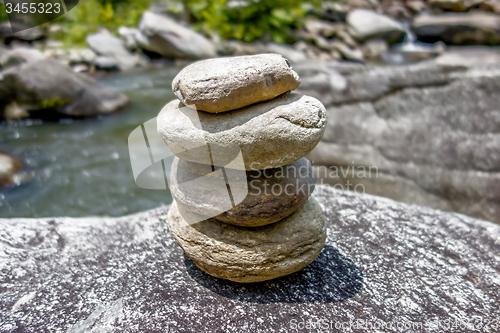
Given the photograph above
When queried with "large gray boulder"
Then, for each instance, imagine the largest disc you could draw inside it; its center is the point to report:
(49, 85)
(474, 28)
(107, 45)
(366, 24)
(160, 34)
(384, 262)
(425, 134)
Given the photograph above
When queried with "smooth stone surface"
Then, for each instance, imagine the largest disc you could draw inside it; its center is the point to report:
(383, 261)
(475, 28)
(162, 35)
(51, 86)
(268, 134)
(268, 195)
(257, 254)
(366, 24)
(107, 45)
(427, 134)
(224, 84)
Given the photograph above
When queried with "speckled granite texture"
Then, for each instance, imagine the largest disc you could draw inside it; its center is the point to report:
(384, 262)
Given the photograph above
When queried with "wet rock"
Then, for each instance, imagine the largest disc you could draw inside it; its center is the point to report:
(267, 135)
(224, 84)
(252, 254)
(49, 85)
(267, 195)
(475, 28)
(99, 273)
(162, 35)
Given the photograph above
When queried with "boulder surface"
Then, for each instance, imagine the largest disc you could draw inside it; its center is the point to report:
(384, 262)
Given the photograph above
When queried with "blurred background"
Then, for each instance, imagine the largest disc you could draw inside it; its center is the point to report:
(412, 90)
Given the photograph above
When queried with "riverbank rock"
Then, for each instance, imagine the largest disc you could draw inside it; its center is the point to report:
(224, 84)
(367, 24)
(268, 135)
(19, 55)
(252, 254)
(118, 274)
(51, 86)
(9, 171)
(474, 28)
(425, 134)
(164, 36)
(107, 45)
(267, 195)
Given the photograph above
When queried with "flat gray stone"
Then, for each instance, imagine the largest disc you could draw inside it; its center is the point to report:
(268, 135)
(267, 196)
(383, 261)
(257, 254)
(224, 84)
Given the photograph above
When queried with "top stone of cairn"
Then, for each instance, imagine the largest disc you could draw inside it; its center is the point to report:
(224, 84)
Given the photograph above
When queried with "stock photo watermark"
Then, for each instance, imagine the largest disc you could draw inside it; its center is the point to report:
(24, 14)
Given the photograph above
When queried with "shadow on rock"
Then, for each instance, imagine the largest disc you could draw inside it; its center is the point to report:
(330, 278)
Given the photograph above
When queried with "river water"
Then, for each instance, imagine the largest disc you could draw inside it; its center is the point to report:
(81, 167)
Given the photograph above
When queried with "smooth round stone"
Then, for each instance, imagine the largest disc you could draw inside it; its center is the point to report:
(252, 254)
(265, 135)
(261, 197)
(224, 84)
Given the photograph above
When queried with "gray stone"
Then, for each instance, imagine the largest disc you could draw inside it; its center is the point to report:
(128, 36)
(10, 171)
(475, 28)
(19, 55)
(429, 133)
(107, 45)
(256, 254)
(105, 62)
(50, 85)
(164, 36)
(383, 261)
(268, 134)
(24, 33)
(269, 195)
(367, 24)
(224, 84)
(287, 51)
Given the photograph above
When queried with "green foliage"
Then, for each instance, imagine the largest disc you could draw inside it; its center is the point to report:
(245, 20)
(252, 19)
(90, 15)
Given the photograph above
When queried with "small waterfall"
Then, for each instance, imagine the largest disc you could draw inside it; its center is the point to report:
(410, 50)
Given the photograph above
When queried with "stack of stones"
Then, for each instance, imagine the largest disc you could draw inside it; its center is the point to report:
(236, 123)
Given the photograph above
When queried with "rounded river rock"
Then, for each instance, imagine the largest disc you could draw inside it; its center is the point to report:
(261, 197)
(243, 254)
(261, 136)
(223, 84)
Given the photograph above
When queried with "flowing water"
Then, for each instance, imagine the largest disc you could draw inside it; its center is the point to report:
(81, 167)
